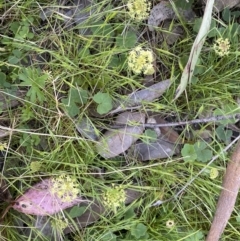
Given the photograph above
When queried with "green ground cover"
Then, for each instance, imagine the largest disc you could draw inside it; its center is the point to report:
(68, 71)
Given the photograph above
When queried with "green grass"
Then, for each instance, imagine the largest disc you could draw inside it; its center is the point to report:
(80, 66)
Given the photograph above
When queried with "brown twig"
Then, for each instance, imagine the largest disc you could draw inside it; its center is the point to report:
(228, 196)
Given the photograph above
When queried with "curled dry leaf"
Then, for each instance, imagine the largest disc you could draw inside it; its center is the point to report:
(38, 200)
(228, 196)
(87, 129)
(167, 133)
(163, 11)
(11, 99)
(154, 150)
(164, 147)
(149, 94)
(73, 13)
(115, 142)
(172, 34)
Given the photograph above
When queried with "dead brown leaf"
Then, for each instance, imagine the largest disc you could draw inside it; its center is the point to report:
(163, 11)
(155, 150)
(149, 94)
(115, 142)
(228, 196)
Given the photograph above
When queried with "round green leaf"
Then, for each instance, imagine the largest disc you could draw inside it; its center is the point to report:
(188, 153)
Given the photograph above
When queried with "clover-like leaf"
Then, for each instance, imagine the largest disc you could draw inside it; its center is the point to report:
(109, 236)
(200, 145)
(224, 135)
(228, 109)
(197, 236)
(204, 156)
(139, 230)
(128, 40)
(203, 153)
(104, 102)
(35, 80)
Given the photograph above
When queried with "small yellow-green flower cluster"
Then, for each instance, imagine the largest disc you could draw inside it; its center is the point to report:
(59, 224)
(65, 187)
(141, 61)
(222, 46)
(114, 197)
(139, 9)
(3, 146)
(213, 173)
(35, 166)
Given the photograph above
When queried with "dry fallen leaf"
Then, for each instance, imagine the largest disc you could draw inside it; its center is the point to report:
(172, 33)
(149, 94)
(163, 11)
(87, 129)
(38, 200)
(228, 196)
(164, 147)
(154, 150)
(117, 141)
(167, 133)
(10, 100)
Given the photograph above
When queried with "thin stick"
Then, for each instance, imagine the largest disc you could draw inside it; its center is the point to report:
(32, 132)
(196, 121)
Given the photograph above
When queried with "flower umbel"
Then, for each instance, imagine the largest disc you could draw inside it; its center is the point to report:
(114, 197)
(35, 166)
(140, 61)
(222, 46)
(3, 146)
(214, 173)
(139, 9)
(59, 224)
(65, 187)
